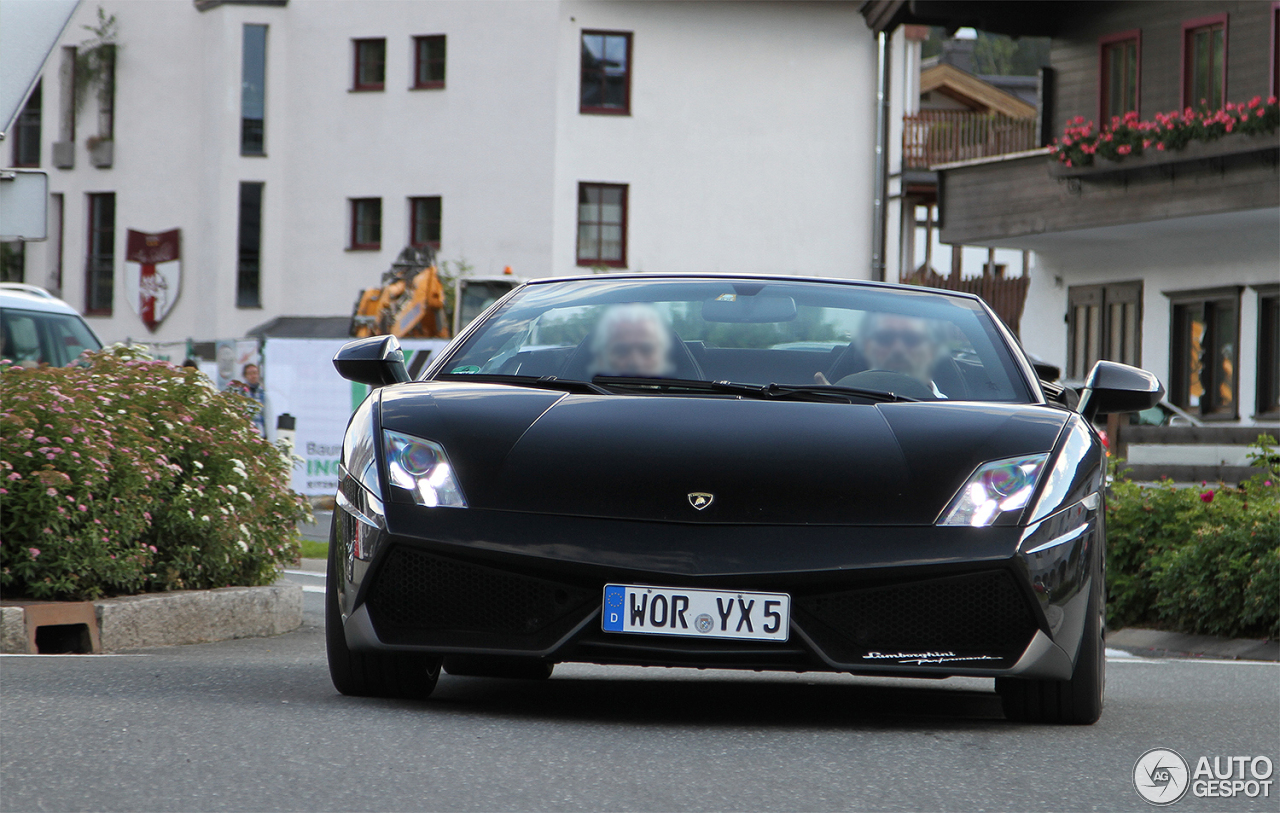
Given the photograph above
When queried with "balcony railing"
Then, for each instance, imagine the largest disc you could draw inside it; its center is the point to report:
(942, 136)
(1006, 295)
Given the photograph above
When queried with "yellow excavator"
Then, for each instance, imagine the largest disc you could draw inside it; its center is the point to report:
(410, 304)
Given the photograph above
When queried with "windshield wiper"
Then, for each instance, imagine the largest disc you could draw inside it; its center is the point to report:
(546, 382)
(669, 384)
(770, 391)
(783, 390)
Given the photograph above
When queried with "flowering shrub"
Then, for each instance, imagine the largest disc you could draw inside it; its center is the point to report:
(125, 475)
(1126, 135)
(1196, 560)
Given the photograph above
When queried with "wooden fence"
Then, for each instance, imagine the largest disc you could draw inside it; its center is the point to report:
(1005, 295)
(942, 136)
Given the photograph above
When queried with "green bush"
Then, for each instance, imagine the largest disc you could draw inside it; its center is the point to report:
(1197, 560)
(123, 475)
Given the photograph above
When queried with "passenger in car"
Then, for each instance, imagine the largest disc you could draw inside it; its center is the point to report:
(895, 343)
(900, 344)
(632, 339)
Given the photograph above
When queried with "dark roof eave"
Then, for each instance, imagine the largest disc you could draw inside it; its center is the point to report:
(1042, 18)
(303, 327)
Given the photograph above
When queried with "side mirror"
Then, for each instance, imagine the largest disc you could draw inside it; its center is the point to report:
(1112, 387)
(376, 361)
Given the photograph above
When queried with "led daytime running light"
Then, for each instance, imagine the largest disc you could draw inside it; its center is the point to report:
(994, 489)
(422, 468)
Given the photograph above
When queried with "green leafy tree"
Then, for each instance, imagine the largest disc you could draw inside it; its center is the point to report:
(994, 55)
(96, 56)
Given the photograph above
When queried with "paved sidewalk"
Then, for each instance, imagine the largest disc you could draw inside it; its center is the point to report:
(1154, 643)
(313, 565)
(317, 531)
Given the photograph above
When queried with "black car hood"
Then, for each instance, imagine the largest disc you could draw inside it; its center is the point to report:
(640, 457)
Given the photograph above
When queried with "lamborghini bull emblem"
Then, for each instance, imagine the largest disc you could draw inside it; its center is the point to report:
(701, 499)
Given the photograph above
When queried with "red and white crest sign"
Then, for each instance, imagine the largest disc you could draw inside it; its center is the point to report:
(153, 273)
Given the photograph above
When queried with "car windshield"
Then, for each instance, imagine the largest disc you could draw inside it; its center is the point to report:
(921, 345)
(40, 337)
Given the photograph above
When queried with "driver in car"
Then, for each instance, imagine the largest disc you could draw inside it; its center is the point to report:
(897, 344)
(632, 339)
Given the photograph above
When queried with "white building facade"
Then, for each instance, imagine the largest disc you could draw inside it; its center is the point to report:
(299, 146)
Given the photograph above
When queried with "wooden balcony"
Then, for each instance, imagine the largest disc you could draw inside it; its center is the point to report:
(1018, 201)
(1006, 295)
(944, 136)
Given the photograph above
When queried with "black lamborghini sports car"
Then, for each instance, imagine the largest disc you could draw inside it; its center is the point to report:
(726, 472)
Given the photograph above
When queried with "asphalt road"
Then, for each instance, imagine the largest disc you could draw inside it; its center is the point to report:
(255, 725)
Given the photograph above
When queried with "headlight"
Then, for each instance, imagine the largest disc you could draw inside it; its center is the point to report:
(993, 490)
(421, 468)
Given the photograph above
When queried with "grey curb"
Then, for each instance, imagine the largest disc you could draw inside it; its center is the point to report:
(13, 630)
(180, 617)
(1163, 644)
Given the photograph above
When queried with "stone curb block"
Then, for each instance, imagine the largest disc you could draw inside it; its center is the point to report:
(13, 630)
(198, 616)
(180, 617)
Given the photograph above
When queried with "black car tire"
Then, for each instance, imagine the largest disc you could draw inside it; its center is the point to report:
(405, 675)
(1077, 701)
(499, 667)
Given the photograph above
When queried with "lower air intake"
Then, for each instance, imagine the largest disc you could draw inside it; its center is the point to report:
(418, 592)
(975, 613)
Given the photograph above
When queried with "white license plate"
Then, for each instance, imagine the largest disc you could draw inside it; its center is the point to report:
(696, 613)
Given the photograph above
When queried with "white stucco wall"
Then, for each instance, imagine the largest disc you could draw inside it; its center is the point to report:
(484, 144)
(159, 172)
(749, 147)
(750, 143)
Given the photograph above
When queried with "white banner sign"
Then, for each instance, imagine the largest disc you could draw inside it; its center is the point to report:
(300, 380)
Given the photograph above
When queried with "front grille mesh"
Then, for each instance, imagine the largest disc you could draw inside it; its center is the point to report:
(978, 613)
(416, 591)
